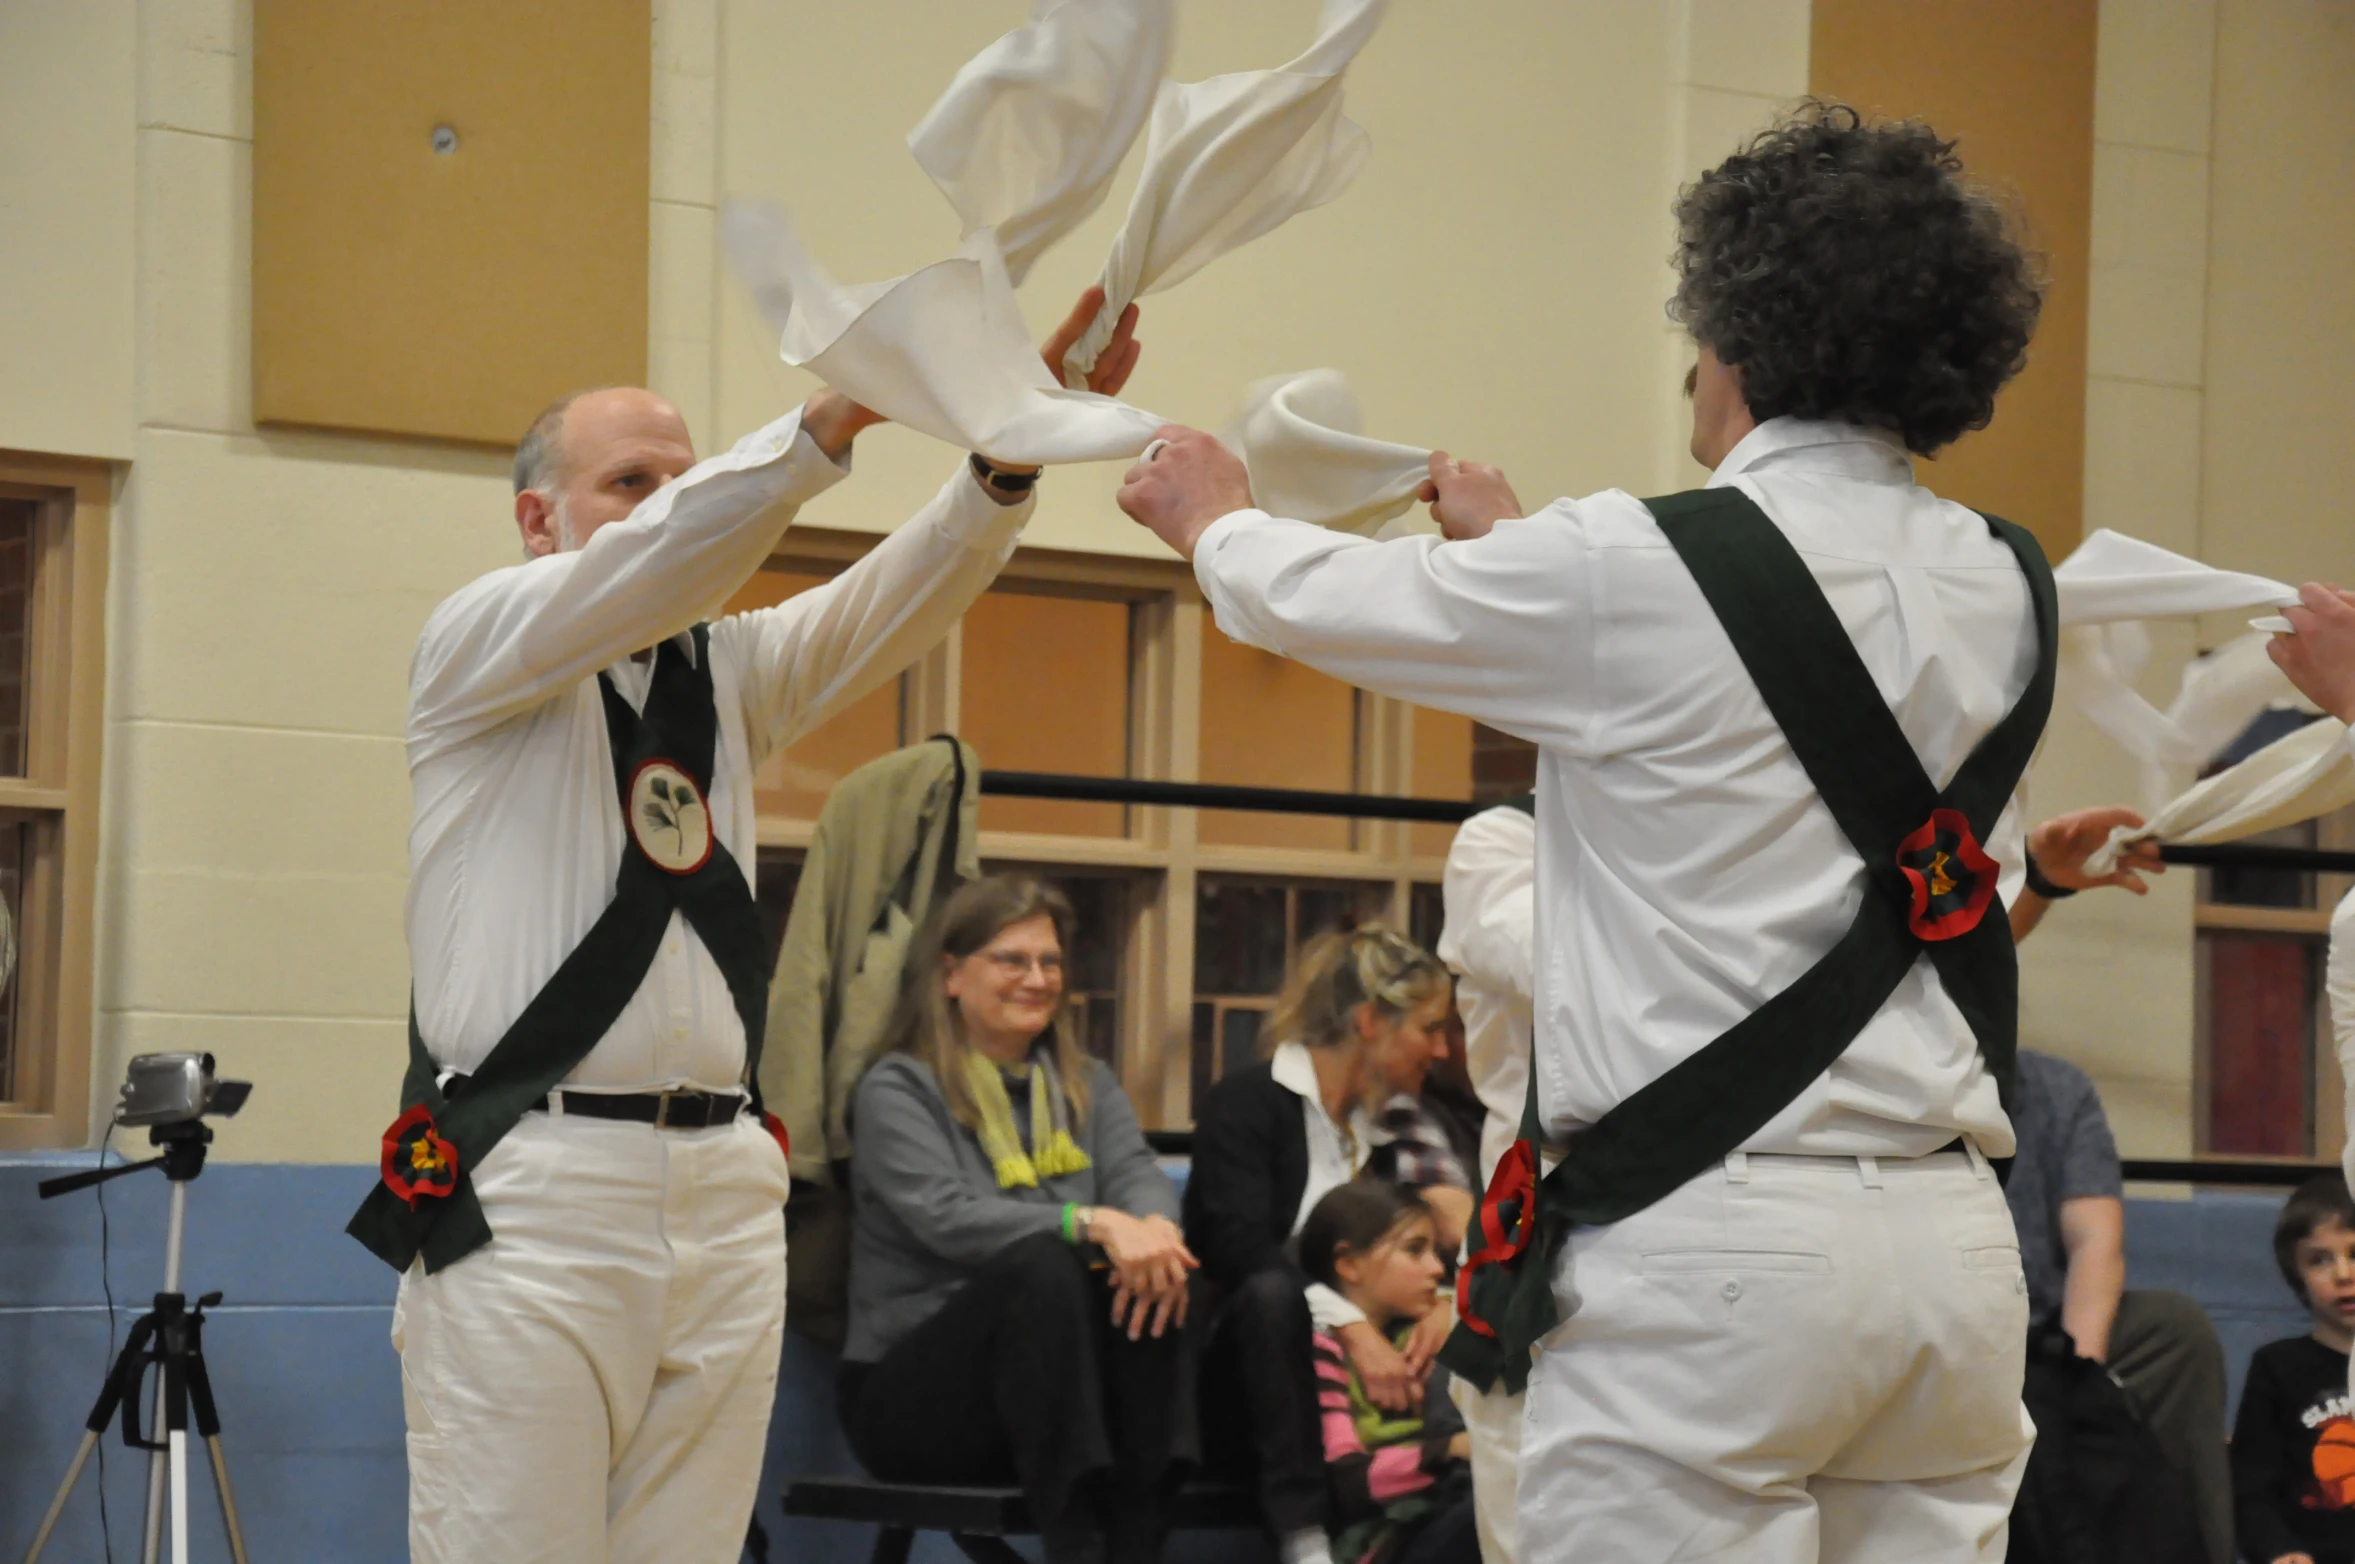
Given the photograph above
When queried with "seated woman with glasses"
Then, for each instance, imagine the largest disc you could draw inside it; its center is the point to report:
(1018, 1281)
(1362, 1017)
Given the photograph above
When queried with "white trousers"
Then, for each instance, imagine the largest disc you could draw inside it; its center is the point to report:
(594, 1386)
(1493, 1420)
(1789, 1360)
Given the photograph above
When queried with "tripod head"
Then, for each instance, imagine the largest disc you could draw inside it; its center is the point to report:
(182, 1147)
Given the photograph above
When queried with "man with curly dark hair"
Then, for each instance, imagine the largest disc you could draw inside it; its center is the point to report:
(1781, 723)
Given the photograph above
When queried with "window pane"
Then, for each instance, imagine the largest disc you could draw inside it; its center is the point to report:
(1426, 915)
(794, 784)
(1443, 769)
(1502, 765)
(1043, 685)
(1267, 722)
(2261, 993)
(17, 519)
(15, 842)
(1317, 908)
(2265, 887)
(777, 878)
(1239, 936)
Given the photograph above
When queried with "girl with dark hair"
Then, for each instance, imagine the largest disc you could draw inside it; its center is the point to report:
(1018, 1283)
(1400, 1484)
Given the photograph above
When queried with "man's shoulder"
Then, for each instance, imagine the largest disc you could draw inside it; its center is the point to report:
(2056, 1083)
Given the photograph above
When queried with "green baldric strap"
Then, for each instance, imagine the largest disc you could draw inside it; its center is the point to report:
(1932, 893)
(440, 1217)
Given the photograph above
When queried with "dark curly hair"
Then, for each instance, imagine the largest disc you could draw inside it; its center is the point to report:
(1851, 272)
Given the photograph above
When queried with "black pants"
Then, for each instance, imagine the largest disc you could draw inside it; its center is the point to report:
(1020, 1378)
(1259, 1398)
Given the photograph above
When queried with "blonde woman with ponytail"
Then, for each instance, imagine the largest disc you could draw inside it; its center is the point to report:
(1362, 1015)
(1018, 1282)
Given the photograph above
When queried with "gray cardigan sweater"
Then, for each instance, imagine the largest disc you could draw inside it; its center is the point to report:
(926, 1207)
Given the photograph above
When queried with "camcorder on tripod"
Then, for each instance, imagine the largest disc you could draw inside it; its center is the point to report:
(171, 1095)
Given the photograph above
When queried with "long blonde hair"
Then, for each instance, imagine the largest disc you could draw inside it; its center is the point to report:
(1340, 970)
(927, 1023)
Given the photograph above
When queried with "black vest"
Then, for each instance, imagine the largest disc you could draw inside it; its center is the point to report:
(424, 1202)
(1932, 893)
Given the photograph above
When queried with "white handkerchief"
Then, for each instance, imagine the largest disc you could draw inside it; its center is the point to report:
(2107, 584)
(2111, 576)
(942, 351)
(1029, 134)
(1227, 160)
(2309, 773)
(1299, 436)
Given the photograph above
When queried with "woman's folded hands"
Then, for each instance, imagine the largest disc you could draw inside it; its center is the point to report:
(1150, 1263)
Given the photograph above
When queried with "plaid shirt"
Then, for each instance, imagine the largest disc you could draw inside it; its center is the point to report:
(1413, 1147)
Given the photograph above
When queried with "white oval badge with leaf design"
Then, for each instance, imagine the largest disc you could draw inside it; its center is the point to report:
(668, 818)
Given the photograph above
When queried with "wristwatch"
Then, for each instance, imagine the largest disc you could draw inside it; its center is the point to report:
(995, 477)
(2044, 887)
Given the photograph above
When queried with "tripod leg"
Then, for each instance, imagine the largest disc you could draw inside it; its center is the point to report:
(73, 1475)
(207, 1418)
(151, 1547)
(228, 1499)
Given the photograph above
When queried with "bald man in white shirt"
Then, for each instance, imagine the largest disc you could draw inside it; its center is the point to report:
(581, 1193)
(1792, 1328)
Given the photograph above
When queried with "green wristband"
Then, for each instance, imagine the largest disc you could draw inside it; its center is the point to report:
(1070, 1210)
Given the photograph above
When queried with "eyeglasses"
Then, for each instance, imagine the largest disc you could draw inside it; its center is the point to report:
(1012, 964)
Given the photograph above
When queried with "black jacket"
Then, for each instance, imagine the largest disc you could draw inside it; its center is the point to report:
(1250, 1169)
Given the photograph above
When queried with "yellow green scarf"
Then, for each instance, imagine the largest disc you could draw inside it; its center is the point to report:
(1052, 1152)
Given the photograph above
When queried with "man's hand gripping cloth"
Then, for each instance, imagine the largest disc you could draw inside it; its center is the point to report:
(1298, 435)
(424, 1202)
(1229, 159)
(1931, 893)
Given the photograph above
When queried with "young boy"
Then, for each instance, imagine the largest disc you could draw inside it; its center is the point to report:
(2293, 1446)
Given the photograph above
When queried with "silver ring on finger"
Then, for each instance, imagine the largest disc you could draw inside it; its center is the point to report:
(1153, 448)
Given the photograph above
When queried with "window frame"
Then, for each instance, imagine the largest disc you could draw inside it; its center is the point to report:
(49, 1100)
(1161, 853)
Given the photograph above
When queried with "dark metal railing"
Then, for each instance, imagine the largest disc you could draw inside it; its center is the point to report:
(1450, 811)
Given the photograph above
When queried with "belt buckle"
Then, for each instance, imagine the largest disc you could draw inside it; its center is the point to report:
(662, 1109)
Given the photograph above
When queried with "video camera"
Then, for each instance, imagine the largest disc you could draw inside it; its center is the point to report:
(176, 1088)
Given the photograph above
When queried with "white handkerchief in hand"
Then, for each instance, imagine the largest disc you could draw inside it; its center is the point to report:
(2111, 576)
(942, 351)
(1029, 134)
(1299, 436)
(2108, 584)
(1227, 160)
(2311, 772)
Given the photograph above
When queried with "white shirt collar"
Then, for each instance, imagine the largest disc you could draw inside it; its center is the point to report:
(1295, 1071)
(1833, 449)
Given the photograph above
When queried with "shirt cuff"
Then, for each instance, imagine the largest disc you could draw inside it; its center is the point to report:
(1329, 1311)
(976, 519)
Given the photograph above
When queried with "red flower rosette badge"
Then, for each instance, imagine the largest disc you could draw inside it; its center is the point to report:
(1508, 1219)
(419, 1164)
(1952, 877)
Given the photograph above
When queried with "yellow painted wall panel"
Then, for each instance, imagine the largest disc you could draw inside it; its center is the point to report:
(1043, 686)
(68, 151)
(448, 294)
(2014, 81)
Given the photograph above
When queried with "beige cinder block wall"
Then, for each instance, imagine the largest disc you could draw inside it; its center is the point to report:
(2216, 406)
(1493, 283)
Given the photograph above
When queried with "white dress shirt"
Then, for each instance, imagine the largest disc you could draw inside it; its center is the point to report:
(1335, 1154)
(1489, 891)
(517, 834)
(1686, 869)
